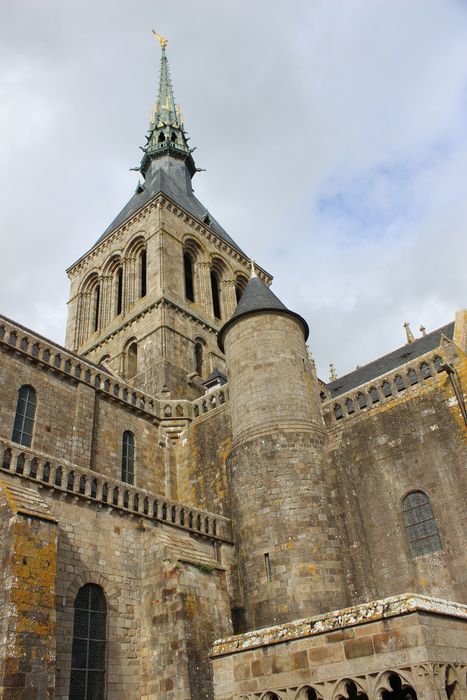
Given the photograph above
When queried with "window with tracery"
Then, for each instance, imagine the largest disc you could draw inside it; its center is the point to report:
(88, 654)
(24, 419)
(420, 524)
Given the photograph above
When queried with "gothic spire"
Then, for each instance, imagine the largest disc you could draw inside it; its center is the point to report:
(166, 135)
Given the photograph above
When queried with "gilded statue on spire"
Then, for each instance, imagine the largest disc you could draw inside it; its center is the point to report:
(161, 39)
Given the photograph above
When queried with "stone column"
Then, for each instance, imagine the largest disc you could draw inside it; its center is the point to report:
(203, 294)
(228, 298)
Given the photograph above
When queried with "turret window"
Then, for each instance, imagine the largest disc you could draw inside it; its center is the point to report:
(420, 524)
(25, 414)
(128, 457)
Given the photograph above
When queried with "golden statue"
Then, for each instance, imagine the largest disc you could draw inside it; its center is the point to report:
(162, 40)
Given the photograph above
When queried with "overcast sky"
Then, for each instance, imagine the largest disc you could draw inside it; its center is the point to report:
(333, 133)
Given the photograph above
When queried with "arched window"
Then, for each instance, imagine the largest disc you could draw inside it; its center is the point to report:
(128, 457)
(142, 273)
(216, 301)
(131, 360)
(24, 418)
(349, 406)
(188, 273)
(87, 678)
(199, 351)
(97, 301)
(240, 285)
(420, 523)
(338, 411)
(119, 291)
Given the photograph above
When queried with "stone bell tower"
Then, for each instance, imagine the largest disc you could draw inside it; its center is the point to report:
(148, 299)
(286, 535)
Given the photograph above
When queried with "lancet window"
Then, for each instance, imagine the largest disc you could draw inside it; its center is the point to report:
(25, 413)
(128, 457)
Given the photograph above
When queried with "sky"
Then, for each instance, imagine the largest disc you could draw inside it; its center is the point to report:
(333, 134)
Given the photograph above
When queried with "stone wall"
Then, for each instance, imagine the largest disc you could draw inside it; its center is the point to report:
(29, 569)
(406, 642)
(416, 442)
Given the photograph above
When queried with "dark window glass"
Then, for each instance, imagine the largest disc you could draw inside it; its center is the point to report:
(420, 523)
(143, 266)
(24, 418)
(119, 290)
(128, 457)
(87, 679)
(188, 272)
(216, 302)
(97, 299)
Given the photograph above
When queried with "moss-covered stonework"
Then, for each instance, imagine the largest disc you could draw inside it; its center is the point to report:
(29, 568)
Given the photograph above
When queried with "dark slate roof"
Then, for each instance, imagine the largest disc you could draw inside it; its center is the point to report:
(257, 297)
(215, 376)
(171, 177)
(389, 362)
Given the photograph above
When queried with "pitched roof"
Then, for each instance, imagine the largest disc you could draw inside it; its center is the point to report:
(256, 298)
(168, 176)
(388, 362)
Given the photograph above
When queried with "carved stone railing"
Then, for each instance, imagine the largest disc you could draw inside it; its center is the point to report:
(210, 401)
(86, 484)
(59, 360)
(403, 380)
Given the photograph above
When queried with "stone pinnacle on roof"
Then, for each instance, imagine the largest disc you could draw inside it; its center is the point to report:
(409, 334)
(332, 373)
(252, 269)
(258, 298)
(166, 134)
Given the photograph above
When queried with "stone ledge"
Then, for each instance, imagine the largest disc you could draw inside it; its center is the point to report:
(339, 619)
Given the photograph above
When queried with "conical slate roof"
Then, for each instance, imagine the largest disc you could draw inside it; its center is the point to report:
(257, 298)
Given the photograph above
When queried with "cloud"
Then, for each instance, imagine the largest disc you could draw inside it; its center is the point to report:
(334, 138)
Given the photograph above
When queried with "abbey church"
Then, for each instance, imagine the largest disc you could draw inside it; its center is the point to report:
(188, 512)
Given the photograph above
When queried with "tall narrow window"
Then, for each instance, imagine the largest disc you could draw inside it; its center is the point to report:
(188, 272)
(142, 273)
(131, 361)
(87, 678)
(420, 523)
(24, 418)
(119, 291)
(97, 300)
(216, 303)
(199, 349)
(128, 457)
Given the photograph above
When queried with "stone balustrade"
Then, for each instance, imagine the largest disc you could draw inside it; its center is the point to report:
(383, 389)
(106, 491)
(209, 401)
(77, 369)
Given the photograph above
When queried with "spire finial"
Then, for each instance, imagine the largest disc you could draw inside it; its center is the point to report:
(332, 373)
(161, 39)
(409, 334)
(423, 330)
(252, 269)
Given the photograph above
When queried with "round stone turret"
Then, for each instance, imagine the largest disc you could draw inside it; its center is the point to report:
(285, 531)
